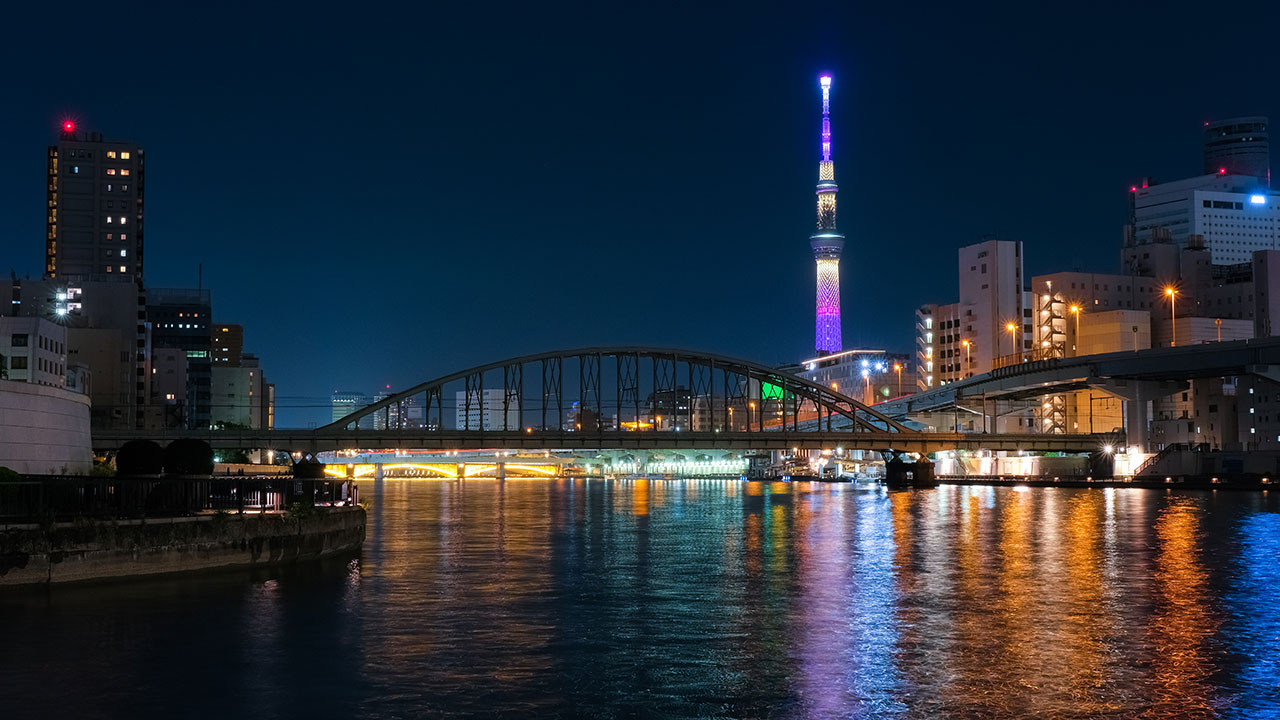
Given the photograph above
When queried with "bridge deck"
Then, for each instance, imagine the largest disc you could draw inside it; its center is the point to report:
(323, 440)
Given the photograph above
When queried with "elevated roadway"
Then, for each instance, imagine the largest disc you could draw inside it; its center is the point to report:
(323, 440)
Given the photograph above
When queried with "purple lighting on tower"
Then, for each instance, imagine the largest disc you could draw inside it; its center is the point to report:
(826, 118)
(827, 242)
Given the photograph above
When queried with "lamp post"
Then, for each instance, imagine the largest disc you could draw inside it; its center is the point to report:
(1013, 346)
(1218, 322)
(1075, 310)
(1172, 294)
(968, 356)
(897, 367)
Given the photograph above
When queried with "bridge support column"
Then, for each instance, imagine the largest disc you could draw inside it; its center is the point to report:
(377, 473)
(1137, 421)
(462, 471)
(1137, 415)
(502, 471)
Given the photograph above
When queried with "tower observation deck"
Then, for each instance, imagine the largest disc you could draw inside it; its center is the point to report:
(827, 242)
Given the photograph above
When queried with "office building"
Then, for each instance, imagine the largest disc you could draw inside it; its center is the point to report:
(484, 411)
(1238, 146)
(1235, 215)
(33, 350)
(107, 335)
(1229, 205)
(870, 376)
(180, 319)
(168, 405)
(94, 221)
(226, 344)
(240, 396)
(345, 402)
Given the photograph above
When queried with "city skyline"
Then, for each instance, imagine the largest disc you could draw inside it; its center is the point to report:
(570, 207)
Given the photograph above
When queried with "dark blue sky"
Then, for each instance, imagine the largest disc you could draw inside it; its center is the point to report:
(382, 195)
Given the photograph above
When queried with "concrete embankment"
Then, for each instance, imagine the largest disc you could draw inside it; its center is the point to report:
(1181, 483)
(97, 549)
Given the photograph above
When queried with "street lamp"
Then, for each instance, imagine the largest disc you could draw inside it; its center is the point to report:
(968, 355)
(1075, 310)
(1218, 322)
(1012, 343)
(1172, 294)
(897, 367)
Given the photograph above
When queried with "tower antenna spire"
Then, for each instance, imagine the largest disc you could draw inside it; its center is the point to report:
(827, 243)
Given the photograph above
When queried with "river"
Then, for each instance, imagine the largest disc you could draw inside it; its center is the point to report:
(695, 598)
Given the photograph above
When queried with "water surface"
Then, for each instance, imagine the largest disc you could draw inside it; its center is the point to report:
(697, 598)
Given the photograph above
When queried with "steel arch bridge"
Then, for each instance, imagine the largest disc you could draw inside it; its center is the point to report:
(624, 389)
(612, 398)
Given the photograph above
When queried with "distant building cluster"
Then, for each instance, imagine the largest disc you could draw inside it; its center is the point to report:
(148, 358)
(1200, 263)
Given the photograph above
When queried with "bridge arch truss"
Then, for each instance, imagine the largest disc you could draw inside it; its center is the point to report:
(606, 390)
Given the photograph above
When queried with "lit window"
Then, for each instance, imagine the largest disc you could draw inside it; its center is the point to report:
(111, 154)
(124, 236)
(168, 396)
(124, 171)
(122, 220)
(124, 253)
(108, 268)
(122, 269)
(75, 169)
(108, 188)
(111, 171)
(124, 156)
(108, 219)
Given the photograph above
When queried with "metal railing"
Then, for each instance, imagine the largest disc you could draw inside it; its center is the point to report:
(1169, 449)
(49, 498)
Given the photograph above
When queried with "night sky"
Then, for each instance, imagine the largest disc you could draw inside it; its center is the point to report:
(383, 195)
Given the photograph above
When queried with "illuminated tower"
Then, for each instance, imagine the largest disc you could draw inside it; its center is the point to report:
(827, 242)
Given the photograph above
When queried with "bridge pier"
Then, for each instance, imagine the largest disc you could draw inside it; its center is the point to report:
(501, 471)
(377, 473)
(1137, 396)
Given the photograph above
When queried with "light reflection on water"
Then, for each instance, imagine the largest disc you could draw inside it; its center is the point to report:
(697, 598)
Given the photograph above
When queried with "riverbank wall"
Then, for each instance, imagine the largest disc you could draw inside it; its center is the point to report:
(99, 550)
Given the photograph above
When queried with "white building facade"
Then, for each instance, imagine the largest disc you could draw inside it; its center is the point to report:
(1235, 214)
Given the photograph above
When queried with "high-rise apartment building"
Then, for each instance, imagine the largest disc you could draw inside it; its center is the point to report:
(94, 213)
(1238, 146)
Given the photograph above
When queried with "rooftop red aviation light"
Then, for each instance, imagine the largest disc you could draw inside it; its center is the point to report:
(68, 126)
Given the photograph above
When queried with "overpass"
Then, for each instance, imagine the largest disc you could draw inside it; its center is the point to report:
(613, 398)
(1135, 377)
(319, 440)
